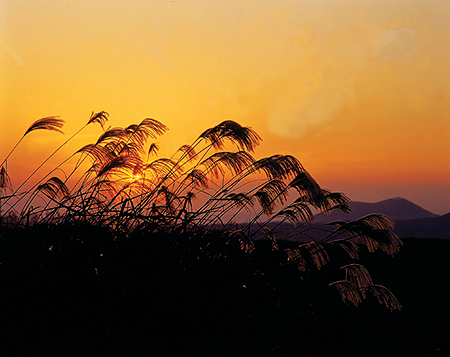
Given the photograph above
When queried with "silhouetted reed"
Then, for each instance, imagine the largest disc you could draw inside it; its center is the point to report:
(201, 190)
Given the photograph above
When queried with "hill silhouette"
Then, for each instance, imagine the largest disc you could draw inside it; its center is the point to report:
(93, 293)
(424, 228)
(396, 208)
(410, 219)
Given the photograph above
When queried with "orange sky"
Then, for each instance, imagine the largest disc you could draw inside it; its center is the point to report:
(359, 91)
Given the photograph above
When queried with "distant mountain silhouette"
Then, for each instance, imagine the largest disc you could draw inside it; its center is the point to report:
(424, 228)
(396, 208)
(410, 219)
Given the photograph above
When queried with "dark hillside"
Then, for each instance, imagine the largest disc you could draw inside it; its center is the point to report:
(424, 228)
(419, 275)
(84, 291)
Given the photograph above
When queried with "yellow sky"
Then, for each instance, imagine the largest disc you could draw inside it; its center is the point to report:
(359, 91)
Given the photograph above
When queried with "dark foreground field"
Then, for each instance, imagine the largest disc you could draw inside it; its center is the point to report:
(82, 291)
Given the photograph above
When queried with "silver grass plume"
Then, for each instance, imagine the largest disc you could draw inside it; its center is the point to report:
(48, 123)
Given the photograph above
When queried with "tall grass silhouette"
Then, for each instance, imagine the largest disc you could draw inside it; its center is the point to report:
(196, 195)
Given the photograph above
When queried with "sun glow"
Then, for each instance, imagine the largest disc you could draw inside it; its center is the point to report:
(135, 178)
(357, 91)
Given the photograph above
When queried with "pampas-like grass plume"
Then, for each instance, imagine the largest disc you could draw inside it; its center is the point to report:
(200, 191)
(5, 181)
(47, 123)
(357, 282)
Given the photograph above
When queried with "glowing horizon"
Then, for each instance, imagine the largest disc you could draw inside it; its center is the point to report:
(359, 93)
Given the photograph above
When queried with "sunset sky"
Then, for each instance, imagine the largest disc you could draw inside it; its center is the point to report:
(357, 90)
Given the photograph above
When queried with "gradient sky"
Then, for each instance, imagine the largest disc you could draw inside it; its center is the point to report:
(358, 90)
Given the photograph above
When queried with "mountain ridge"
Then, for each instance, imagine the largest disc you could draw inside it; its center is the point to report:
(424, 227)
(410, 219)
(397, 208)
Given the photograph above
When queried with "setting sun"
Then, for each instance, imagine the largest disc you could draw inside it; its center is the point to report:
(135, 177)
